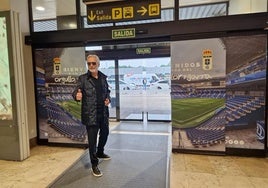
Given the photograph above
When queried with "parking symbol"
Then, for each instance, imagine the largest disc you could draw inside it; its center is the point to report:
(117, 13)
(128, 12)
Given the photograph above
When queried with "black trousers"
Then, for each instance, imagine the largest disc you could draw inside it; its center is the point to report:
(93, 146)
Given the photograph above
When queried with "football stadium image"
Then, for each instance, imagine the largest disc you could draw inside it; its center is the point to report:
(211, 112)
(58, 113)
(198, 115)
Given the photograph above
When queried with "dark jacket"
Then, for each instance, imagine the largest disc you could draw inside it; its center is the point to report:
(89, 98)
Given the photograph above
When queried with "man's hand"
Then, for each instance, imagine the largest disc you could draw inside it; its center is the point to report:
(79, 95)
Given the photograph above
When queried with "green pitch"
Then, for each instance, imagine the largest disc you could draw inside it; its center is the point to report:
(190, 112)
(72, 107)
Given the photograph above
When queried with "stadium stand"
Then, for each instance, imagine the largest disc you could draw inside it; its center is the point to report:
(63, 122)
(240, 109)
(210, 132)
(246, 99)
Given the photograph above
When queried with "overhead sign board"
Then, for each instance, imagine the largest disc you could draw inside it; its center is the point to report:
(123, 11)
(123, 33)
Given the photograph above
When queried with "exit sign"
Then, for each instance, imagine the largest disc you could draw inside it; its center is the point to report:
(142, 51)
(123, 33)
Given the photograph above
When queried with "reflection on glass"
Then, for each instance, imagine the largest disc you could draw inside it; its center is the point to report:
(202, 9)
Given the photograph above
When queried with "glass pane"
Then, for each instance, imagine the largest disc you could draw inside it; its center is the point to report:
(54, 15)
(145, 88)
(197, 9)
(202, 9)
(108, 68)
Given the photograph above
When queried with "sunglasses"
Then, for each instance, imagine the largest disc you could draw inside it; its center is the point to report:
(91, 63)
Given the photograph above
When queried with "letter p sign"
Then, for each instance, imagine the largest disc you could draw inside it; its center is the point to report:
(117, 13)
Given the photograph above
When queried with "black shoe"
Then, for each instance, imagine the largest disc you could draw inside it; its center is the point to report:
(96, 171)
(103, 156)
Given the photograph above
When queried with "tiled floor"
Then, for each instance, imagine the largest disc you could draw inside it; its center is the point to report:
(197, 171)
(186, 170)
(42, 167)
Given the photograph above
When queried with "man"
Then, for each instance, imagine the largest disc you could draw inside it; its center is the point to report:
(92, 90)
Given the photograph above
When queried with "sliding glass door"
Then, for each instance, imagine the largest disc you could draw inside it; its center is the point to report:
(144, 86)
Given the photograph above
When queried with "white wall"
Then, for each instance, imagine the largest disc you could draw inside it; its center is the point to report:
(21, 7)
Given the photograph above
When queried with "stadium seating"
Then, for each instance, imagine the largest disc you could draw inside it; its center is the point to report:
(178, 92)
(208, 133)
(61, 121)
(241, 110)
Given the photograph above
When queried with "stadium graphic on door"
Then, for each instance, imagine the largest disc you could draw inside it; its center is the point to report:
(218, 105)
(198, 95)
(58, 114)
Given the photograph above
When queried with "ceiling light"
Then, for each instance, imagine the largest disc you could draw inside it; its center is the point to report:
(93, 48)
(72, 25)
(40, 8)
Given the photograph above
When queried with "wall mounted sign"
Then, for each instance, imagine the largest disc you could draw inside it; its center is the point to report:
(141, 51)
(123, 33)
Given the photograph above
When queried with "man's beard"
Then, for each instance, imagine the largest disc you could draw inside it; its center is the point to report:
(93, 70)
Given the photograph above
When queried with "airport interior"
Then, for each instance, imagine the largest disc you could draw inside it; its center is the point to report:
(187, 93)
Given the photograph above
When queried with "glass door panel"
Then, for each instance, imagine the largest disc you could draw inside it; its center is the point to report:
(108, 68)
(144, 86)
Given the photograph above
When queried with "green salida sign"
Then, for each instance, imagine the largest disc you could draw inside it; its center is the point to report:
(142, 51)
(123, 33)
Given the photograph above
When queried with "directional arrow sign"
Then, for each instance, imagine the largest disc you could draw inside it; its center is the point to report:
(91, 16)
(143, 10)
(128, 10)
